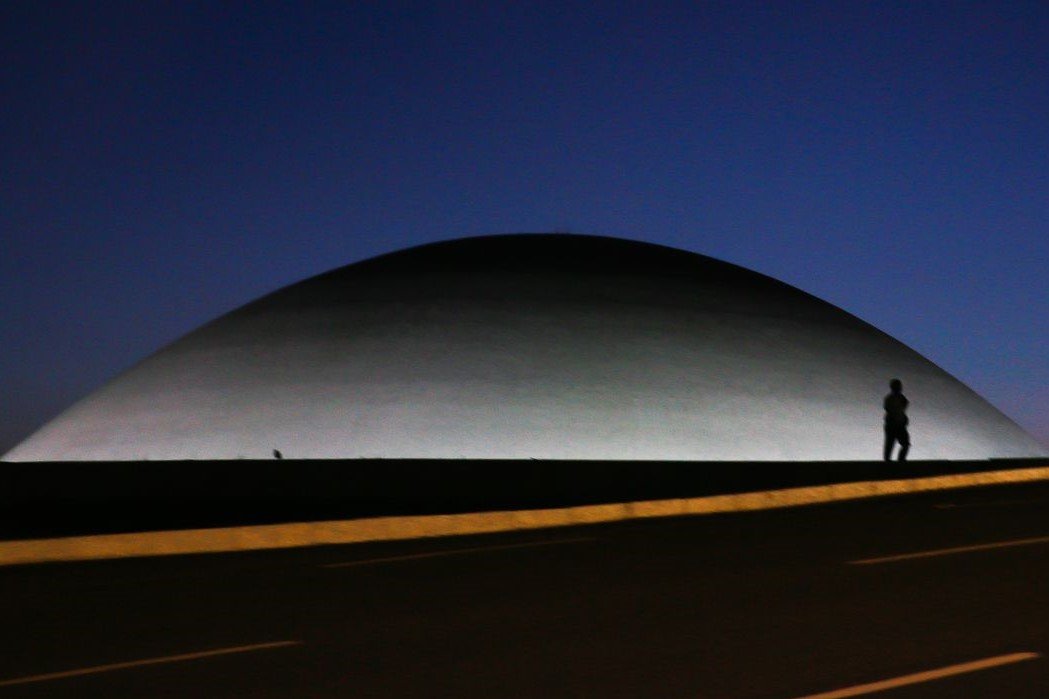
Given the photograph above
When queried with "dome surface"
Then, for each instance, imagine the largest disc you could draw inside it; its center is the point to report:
(529, 346)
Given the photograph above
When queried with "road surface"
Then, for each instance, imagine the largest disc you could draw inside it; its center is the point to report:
(942, 594)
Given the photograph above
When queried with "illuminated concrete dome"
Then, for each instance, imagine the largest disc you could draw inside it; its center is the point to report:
(529, 346)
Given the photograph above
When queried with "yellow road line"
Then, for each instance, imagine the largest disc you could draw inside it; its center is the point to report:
(951, 551)
(276, 536)
(147, 661)
(926, 676)
(454, 552)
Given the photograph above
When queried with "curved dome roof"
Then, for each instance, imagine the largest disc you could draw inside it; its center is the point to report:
(529, 346)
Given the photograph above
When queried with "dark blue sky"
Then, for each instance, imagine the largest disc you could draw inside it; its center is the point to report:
(166, 162)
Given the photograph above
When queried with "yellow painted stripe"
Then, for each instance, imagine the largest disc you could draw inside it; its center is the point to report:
(927, 676)
(275, 536)
(148, 661)
(453, 552)
(951, 551)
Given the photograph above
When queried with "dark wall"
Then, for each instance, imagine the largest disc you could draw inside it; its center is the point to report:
(62, 499)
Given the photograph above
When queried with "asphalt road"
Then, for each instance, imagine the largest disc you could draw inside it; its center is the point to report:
(787, 603)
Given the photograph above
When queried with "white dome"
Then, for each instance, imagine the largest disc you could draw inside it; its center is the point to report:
(529, 346)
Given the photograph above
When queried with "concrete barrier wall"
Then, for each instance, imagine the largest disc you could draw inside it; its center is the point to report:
(313, 533)
(48, 499)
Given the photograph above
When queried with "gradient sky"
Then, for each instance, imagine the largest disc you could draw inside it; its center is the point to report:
(164, 162)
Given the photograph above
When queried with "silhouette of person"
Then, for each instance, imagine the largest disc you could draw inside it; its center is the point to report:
(896, 421)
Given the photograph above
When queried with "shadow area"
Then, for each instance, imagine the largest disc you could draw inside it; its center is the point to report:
(50, 499)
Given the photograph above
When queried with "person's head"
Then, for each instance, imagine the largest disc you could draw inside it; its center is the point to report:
(896, 385)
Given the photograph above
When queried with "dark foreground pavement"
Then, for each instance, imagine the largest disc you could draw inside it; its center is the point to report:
(765, 604)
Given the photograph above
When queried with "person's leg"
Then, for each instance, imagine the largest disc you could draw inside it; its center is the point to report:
(889, 441)
(905, 443)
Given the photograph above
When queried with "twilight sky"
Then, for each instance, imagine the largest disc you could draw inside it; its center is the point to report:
(164, 162)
